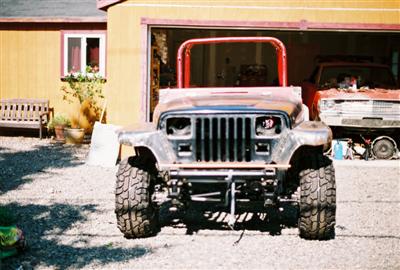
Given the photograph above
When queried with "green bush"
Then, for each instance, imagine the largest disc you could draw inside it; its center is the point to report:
(84, 86)
(59, 120)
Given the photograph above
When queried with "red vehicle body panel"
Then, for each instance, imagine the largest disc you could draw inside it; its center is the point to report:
(334, 93)
(312, 93)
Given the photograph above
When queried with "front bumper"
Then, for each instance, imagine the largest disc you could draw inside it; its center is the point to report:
(357, 121)
(224, 172)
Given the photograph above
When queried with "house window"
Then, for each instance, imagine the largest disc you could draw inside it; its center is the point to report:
(82, 50)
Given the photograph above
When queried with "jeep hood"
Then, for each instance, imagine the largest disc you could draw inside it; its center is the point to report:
(285, 99)
(369, 94)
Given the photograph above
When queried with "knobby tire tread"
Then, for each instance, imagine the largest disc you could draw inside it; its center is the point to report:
(136, 215)
(318, 199)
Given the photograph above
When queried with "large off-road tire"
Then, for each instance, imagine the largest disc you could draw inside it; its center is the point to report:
(137, 216)
(317, 198)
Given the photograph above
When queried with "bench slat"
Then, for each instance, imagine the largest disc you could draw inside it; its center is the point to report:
(19, 124)
(13, 109)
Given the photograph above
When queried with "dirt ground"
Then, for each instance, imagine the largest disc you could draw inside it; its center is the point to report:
(66, 209)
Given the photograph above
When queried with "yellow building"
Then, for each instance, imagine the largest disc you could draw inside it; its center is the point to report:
(136, 42)
(41, 41)
(143, 37)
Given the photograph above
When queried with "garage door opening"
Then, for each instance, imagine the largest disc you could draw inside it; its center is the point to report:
(230, 65)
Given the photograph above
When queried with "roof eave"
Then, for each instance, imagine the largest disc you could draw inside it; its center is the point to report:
(105, 4)
(53, 20)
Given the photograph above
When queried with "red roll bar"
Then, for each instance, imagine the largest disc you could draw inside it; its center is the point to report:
(183, 76)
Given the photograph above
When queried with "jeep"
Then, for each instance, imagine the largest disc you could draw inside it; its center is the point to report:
(231, 147)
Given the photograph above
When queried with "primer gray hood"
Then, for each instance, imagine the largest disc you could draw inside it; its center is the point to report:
(285, 99)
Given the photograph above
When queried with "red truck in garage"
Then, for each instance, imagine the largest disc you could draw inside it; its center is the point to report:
(359, 100)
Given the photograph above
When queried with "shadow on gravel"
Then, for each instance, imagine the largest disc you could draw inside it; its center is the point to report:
(196, 219)
(18, 167)
(46, 224)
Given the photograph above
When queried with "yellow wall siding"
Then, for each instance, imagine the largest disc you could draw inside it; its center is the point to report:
(30, 66)
(125, 42)
(285, 3)
(286, 10)
(123, 68)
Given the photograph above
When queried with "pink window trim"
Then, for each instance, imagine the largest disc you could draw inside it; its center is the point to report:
(81, 32)
(145, 102)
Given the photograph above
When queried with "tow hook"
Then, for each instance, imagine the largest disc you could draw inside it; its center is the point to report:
(174, 192)
(270, 186)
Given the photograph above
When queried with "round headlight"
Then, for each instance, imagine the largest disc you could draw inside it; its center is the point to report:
(178, 126)
(326, 104)
(330, 104)
(268, 125)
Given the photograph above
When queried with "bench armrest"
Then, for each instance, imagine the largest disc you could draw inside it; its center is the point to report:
(51, 111)
(44, 113)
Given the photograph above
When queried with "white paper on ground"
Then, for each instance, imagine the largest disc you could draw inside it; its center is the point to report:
(104, 147)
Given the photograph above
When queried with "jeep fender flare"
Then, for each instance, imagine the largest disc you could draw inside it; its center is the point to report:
(153, 140)
(308, 133)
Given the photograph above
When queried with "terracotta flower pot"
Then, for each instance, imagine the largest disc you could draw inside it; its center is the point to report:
(59, 131)
(74, 135)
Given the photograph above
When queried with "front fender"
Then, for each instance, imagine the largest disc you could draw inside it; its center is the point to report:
(308, 133)
(155, 140)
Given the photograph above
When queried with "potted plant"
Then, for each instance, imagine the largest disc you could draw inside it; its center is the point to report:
(86, 90)
(58, 123)
(74, 135)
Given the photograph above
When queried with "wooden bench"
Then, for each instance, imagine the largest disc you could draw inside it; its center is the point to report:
(25, 113)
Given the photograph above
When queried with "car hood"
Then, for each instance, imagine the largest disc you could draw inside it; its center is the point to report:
(230, 99)
(378, 94)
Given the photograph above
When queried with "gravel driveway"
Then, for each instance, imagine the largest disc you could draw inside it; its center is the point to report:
(66, 210)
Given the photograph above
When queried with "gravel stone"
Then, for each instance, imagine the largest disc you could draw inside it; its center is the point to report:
(66, 209)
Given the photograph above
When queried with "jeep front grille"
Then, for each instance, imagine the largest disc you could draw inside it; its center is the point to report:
(223, 138)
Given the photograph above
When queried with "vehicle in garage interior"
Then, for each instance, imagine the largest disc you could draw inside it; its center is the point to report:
(359, 100)
(238, 149)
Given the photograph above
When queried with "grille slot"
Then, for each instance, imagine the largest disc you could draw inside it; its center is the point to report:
(223, 138)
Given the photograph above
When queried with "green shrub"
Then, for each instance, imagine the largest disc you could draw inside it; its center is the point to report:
(59, 120)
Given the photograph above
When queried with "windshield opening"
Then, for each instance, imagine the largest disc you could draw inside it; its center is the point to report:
(364, 77)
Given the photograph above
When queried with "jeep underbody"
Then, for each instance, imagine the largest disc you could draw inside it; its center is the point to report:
(232, 148)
